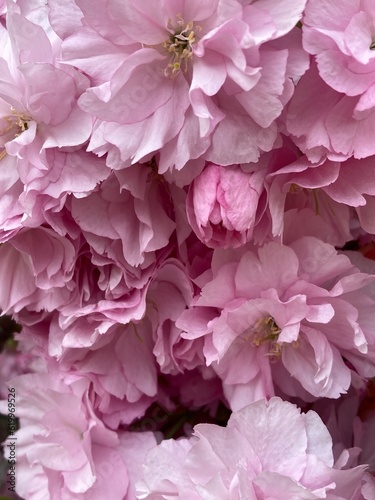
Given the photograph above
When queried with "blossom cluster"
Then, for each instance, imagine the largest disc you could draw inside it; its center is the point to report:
(187, 221)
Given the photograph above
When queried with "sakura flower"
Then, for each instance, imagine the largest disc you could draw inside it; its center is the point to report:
(36, 268)
(275, 452)
(123, 231)
(328, 188)
(229, 206)
(34, 481)
(38, 113)
(154, 84)
(368, 488)
(336, 127)
(120, 365)
(222, 205)
(341, 37)
(89, 293)
(75, 173)
(63, 449)
(100, 297)
(284, 315)
(114, 238)
(146, 226)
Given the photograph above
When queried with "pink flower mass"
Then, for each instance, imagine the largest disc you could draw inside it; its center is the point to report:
(286, 318)
(187, 247)
(276, 452)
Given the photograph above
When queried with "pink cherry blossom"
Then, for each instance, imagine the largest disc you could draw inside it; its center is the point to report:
(63, 449)
(100, 300)
(75, 173)
(90, 293)
(222, 205)
(134, 238)
(38, 114)
(120, 365)
(336, 127)
(154, 84)
(275, 452)
(273, 316)
(323, 186)
(260, 198)
(35, 268)
(341, 36)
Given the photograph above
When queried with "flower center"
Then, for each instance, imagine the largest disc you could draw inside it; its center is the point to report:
(11, 126)
(295, 188)
(179, 45)
(266, 330)
(154, 171)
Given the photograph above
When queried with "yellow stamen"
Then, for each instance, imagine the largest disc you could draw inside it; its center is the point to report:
(16, 123)
(179, 45)
(267, 331)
